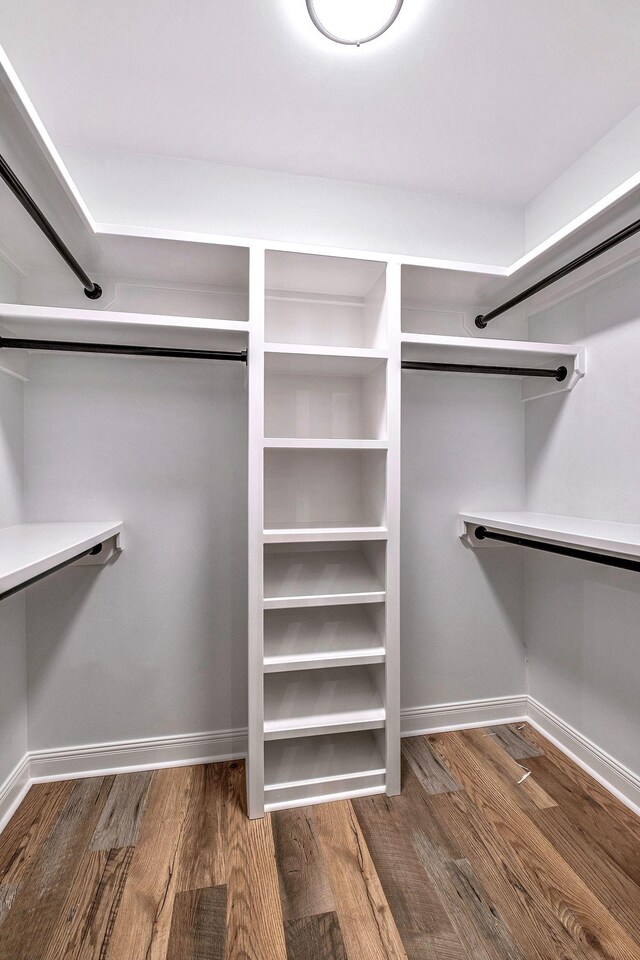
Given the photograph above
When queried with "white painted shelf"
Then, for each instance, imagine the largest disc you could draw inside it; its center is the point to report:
(505, 353)
(299, 579)
(320, 637)
(304, 443)
(598, 536)
(31, 549)
(303, 533)
(96, 326)
(315, 769)
(307, 703)
(310, 350)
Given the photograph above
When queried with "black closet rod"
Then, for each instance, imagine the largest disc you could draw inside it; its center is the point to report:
(481, 533)
(483, 319)
(91, 289)
(70, 346)
(560, 373)
(91, 552)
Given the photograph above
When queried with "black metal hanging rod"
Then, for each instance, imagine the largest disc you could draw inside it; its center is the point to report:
(91, 552)
(481, 533)
(91, 289)
(483, 319)
(67, 346)
(560, 373)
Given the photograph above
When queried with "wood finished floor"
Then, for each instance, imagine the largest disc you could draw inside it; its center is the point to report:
(467, 864)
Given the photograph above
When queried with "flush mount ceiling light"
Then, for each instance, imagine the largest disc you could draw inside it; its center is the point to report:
(353, 22)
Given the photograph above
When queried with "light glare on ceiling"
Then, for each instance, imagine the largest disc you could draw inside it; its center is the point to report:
(353, 22)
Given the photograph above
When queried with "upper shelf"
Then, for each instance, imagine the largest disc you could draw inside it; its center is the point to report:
(32, 549)
(598, 536)
(108, 326)
(504, 353)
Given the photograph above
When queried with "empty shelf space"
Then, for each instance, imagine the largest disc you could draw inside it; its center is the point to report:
(308, 768)
(320, 575)
(316, 637)
(598, 536)
(324, 300)
(318, 489)
(32, 549)
(322, 701)
(320, 397)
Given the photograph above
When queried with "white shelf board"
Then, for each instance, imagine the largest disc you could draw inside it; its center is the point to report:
(322, 578)
(306, 350)
(303, 533)
(484, 350)
(320, 637)
(308, 703)
(296, 443)
(598, 536)
(95, 326)
(31, 549)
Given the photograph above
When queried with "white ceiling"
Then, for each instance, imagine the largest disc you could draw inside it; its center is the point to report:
(490, 99)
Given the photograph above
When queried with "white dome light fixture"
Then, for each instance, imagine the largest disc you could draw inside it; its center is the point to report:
(353, 22)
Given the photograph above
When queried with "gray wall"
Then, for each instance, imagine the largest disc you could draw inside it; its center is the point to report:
(13, 673)
(461, 610)
(583, 459)
(154, 643)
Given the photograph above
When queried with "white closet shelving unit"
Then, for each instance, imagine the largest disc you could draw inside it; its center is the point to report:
(324, 418)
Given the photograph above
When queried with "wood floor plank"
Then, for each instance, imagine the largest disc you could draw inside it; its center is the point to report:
(8, 893)
(605, 832)
(411, 891)
(619, 894)
(102, 915)
(526, 793)
(120, 820)
(198, 925)
(142, 925)
(580, 911)
(368, 928)
(314, 938)
(305, 890)
(434, 776)
(254, 917)
(28, 829)
(203, 846)
(68, 931)
(479, 927)
(510, 737)
(36, 910)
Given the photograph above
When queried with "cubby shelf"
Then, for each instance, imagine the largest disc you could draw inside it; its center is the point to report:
(314, 769)
(306, 443)
(311, 350)
(325, 577)
(308, 703)
(322, 637)
(319, 534)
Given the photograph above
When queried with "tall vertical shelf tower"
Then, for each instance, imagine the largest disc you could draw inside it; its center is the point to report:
(324, 497)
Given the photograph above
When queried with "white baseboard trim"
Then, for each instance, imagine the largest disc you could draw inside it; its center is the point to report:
(129, 756)
(442, 717)
(94, 760)
(613, 775)
(13, 790)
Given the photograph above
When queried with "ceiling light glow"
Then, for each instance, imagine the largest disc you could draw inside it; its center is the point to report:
(353, 22)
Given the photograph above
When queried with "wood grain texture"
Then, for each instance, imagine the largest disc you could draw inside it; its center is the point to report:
(432, 773)
(368, 928)
(141, 927)
(199, 925)
(40, 900)
(511, 739)
(120, 820)
(203, 845)
(464, 865)
(304, 883)
(314, 938)
(254, 917)
(590, 925)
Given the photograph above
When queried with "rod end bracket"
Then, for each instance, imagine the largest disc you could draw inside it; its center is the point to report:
(480, 321)
(94, 293)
